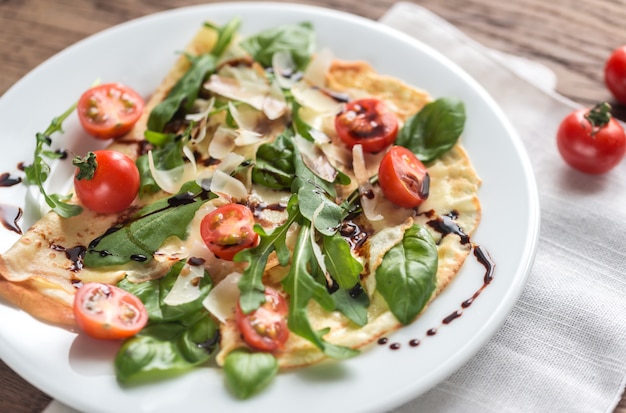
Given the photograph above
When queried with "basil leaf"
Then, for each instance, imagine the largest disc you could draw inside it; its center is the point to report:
(140, 238)
(246, 373)
(297, 39)
(185, 91)
(353, 306)
(251, 282)
(302, 287)
(433, 130)
(274, 163)
(407, 276)
(344, 268)
(167, 349)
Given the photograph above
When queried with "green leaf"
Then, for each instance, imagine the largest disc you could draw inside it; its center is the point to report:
(246, 373)
(314, 193)
(407, 276)
(184, 92)
(302, 287)
(139, 239)
(152, 293)
(340, 263)
(433, 130)
(274, 163)
(164, 350)
(297, 39)
(251, 282)
(225, 35)
(352, 305)
(38, 172)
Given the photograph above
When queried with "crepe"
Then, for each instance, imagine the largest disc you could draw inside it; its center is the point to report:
(41, 272)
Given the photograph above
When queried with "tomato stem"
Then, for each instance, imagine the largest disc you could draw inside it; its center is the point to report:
(86, 166)
(599, 116)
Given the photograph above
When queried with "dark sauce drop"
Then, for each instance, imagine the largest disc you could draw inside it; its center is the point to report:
(445, 225)
(196, 261)
(353, 233)
(74, 254)
(10, 215)
(139, 258)
(7, 180)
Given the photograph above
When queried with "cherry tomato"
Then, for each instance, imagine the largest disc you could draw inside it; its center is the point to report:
(591, 141)
(368, 122)
(228, 230)
(265, 328)
(403, 178)
(615, 74)
(109, 111)
(108, 312)
(106, 181)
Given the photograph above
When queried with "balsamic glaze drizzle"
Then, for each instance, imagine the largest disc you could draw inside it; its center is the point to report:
(446, 225)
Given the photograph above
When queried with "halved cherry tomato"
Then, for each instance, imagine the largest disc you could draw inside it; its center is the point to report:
(615, 74)
(265, 328)
(108, 312)
(591, 141)
(228, 230)
(106, 181)
(367, 122)
(109, 111)
(403, 178)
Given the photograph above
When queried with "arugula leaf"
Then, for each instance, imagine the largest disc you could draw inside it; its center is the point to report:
(297, 39)
(185, 91)
(340, 263)
(139, 239)
(37, 173)
(433, 130)
(407, 276)
(302, 287)
(274, 163)
(251, 284)
(167, 349)
(353, 306)
(246, 373)
(313, 193)
(225, 35)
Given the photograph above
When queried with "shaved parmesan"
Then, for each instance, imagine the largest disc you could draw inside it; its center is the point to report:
(186, 288)
(317, 70)
(315, 159)
(365, 187)
(228, 186)
(222, 299)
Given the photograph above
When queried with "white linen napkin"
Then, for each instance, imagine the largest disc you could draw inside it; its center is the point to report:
(563, 347)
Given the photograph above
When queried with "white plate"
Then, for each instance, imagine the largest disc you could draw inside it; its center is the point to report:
(139, 53)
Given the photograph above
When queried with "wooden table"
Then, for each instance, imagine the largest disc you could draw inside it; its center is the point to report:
(572, 38)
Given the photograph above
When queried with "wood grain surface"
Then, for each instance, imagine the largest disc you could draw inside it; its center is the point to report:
(573, 38)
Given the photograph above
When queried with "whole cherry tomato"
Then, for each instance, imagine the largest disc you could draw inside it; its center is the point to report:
(108, 312)
(367, 122)
(403, 178)
(228, 230)
(615, 74)
(265, 328)
(109, 111)
(106, 181)
(591, 141)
